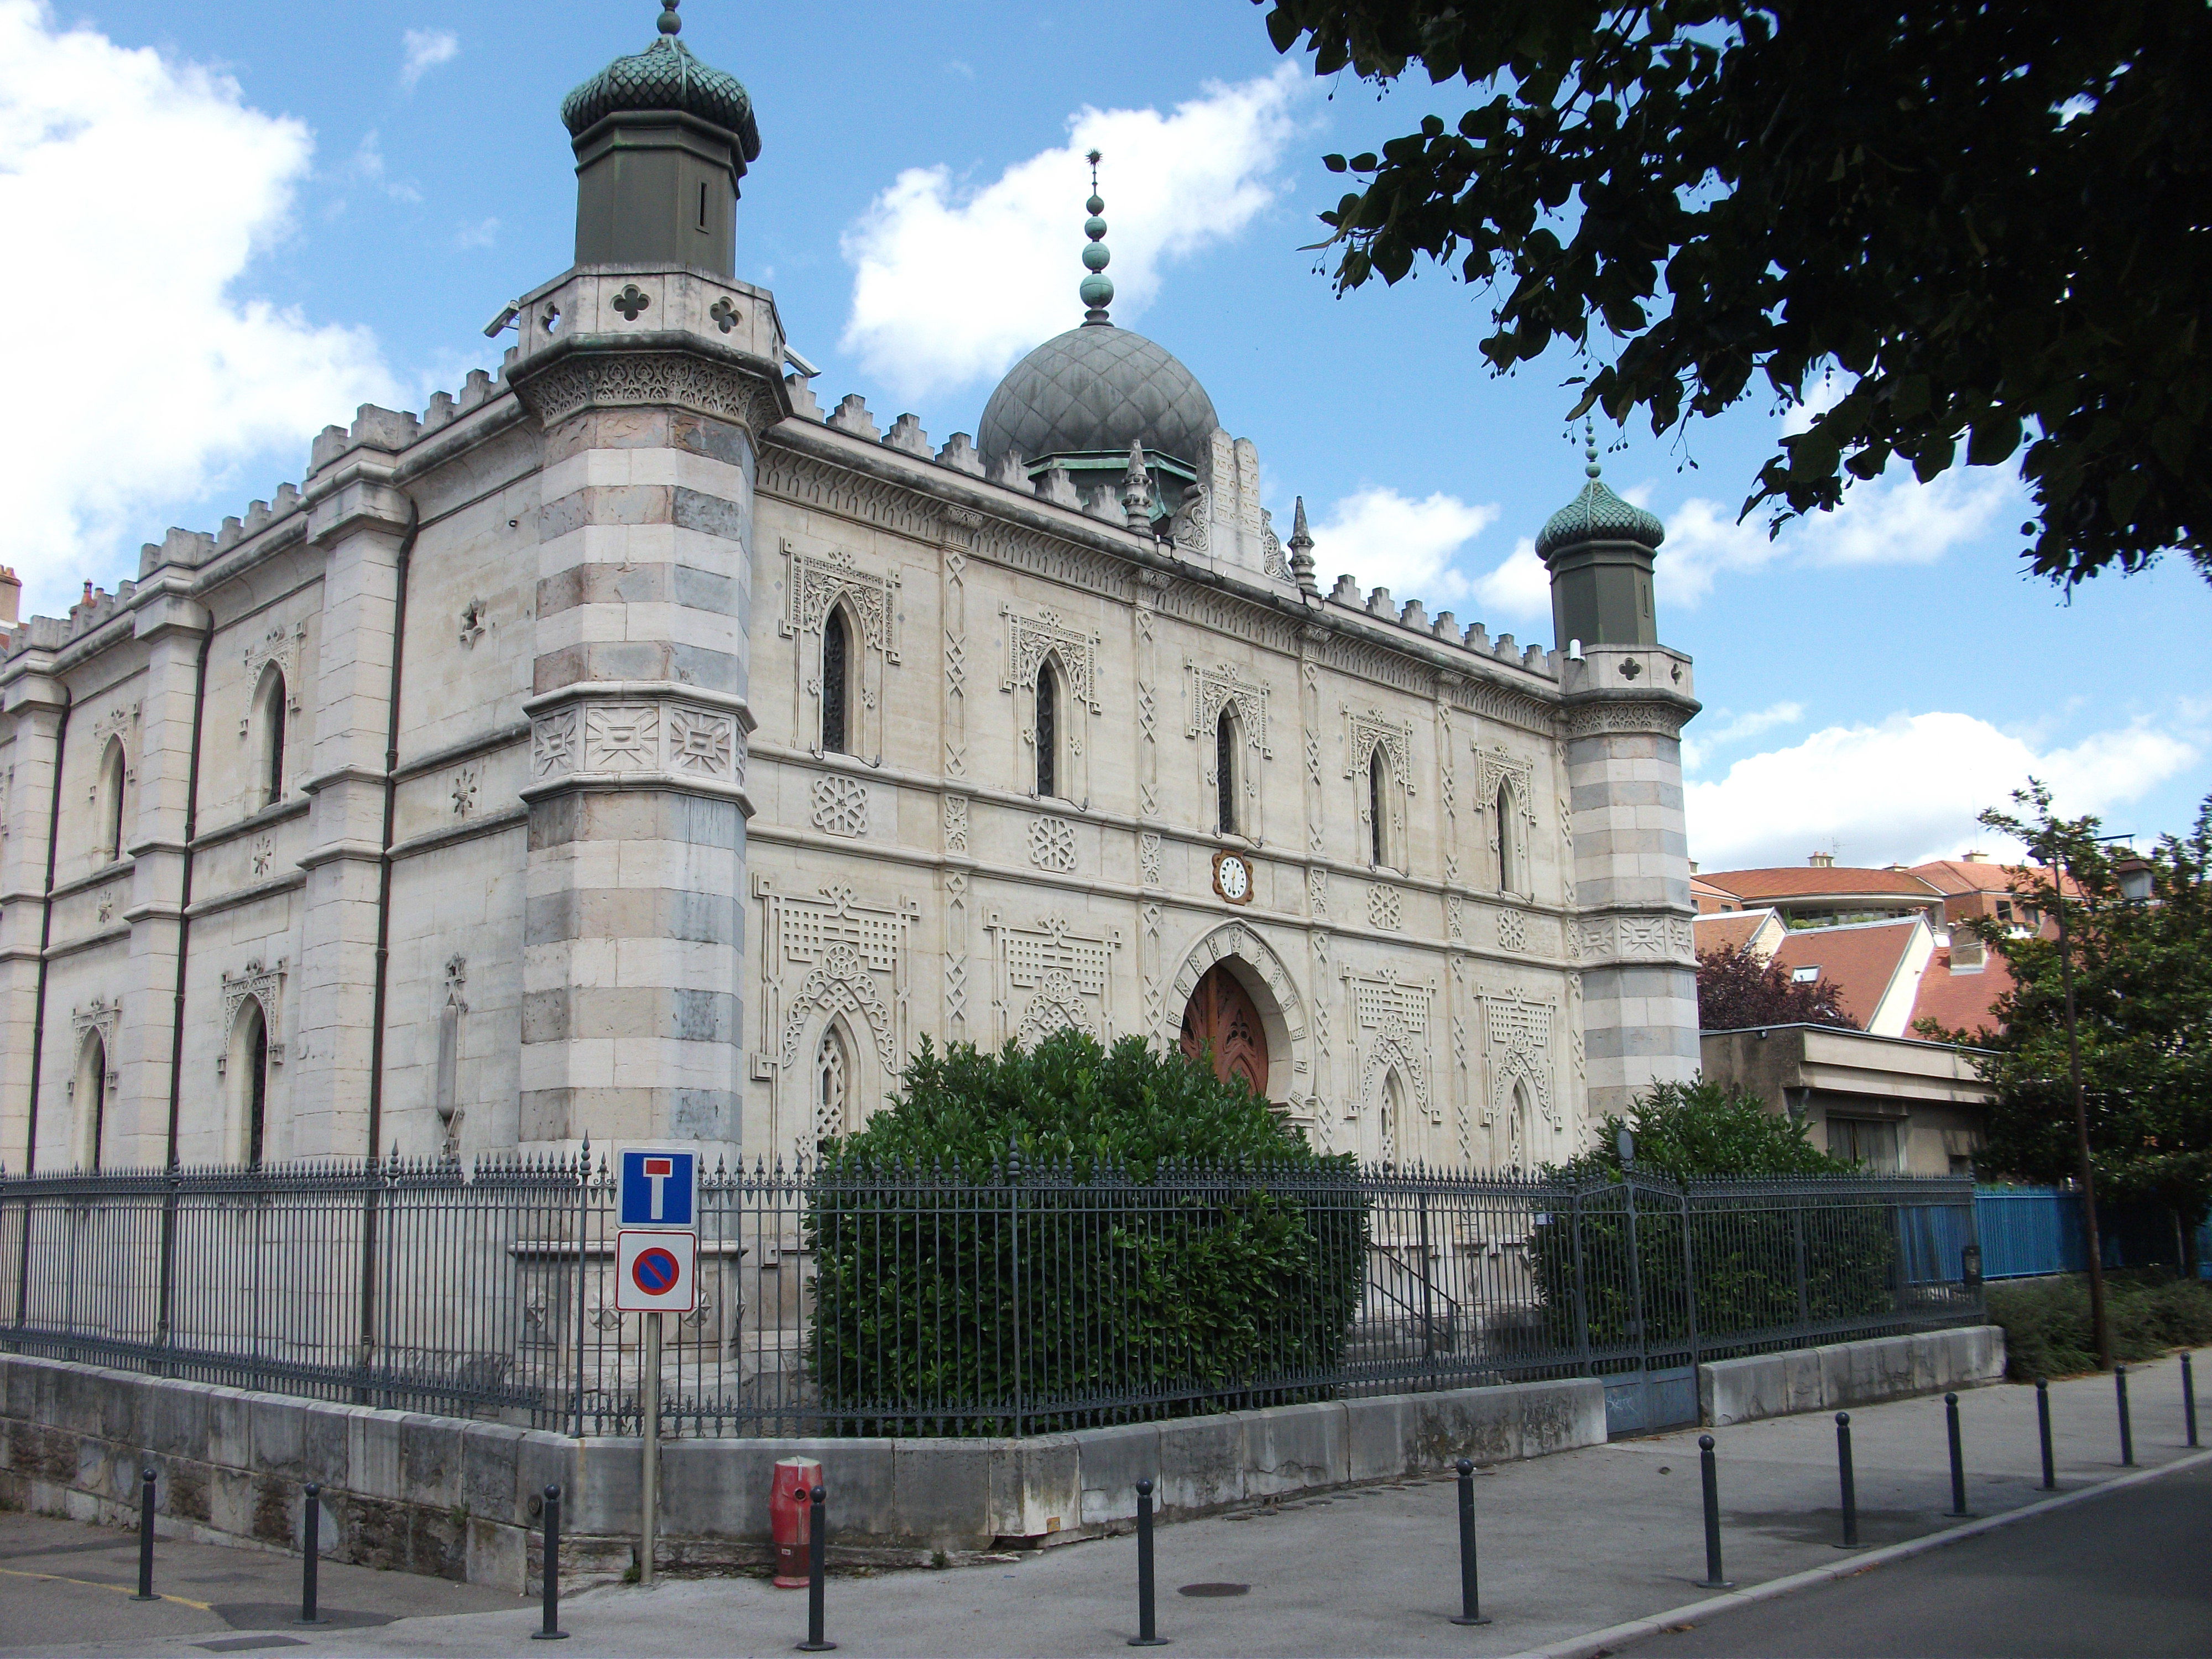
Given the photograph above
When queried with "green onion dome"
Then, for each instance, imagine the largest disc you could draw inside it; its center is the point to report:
(1598, 515)
(666, 77)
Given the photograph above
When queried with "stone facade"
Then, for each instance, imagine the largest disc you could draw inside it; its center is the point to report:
(596, 870)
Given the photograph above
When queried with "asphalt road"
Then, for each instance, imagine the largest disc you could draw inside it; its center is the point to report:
(2122, 1574)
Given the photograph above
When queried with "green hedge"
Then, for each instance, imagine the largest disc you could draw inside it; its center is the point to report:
(2047, 1329)
(1032, 1240)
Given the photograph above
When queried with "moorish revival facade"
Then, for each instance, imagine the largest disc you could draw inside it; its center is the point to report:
(623, 748)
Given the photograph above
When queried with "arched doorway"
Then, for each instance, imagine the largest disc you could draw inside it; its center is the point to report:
(1221, 1020)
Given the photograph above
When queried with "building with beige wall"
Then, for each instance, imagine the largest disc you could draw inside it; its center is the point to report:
(621, 748)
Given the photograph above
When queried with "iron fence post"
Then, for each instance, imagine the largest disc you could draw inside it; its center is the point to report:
(1689, 1273)
(1798, 1242)
(1428, 1306)
(1581, 1294)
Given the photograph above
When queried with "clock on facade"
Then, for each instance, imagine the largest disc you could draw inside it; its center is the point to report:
(1232, 877)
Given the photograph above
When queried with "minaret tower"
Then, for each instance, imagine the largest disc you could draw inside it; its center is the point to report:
(653, 373)
(1627, 699)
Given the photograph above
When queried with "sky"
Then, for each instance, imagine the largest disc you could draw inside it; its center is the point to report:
(235, 221)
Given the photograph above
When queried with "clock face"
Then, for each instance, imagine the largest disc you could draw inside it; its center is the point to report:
(1232, 877)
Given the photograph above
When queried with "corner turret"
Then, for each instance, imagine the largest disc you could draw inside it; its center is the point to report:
(661, 140)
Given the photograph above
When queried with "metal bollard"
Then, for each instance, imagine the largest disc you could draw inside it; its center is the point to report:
(1148, 1632)
(1711, 1474)
(311, 1540)
(146, 1536)
(1957, 1456)
(2042, 1427)
(2189, 1399)
(551, 1629)
(1851, 1487)
(817, 1568)
(2127, 1433)
(1470, 1595)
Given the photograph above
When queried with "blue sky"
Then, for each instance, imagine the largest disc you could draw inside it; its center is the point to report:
(242, 219)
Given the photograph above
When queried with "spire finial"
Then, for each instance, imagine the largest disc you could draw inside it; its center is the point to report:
(1301, 544)
(670, 22)
(1098, 289)
(1590, 446)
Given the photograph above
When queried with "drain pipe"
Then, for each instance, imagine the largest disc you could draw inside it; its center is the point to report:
(45, 938)
(184, 898)
(391, 807)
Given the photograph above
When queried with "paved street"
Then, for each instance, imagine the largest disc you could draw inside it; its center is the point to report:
(1570, 1545)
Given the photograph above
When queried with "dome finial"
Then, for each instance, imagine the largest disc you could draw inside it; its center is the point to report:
(1098, 289)
(670, 22)
(1590, 467)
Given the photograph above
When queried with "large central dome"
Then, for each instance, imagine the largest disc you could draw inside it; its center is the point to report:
(1094, 390)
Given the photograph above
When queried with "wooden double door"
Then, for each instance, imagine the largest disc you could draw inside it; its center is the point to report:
(1222, 1022)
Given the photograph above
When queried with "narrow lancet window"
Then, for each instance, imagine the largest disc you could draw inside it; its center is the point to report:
(1048, 729)
(836, 648)
(1224, 770)
(1377, 818)
(1509, 864)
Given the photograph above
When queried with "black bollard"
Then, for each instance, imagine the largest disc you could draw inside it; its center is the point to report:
(2042, 1427)
(818, 1569)
(310, 1540)
(2189, 1399)
(2127, 1433)
(1851, 1487)
(146, 1536)
(1148, 1633)
(1957, 1456)
(1470, 1595)
(1713, 1578)
(551, 1629)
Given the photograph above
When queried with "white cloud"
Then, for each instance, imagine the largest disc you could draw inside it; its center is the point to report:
(1521, 586)
(1908, 789)
(1384, 539)
(1897, 519)
(951, 283)
(1704, 541)
(137, 192)
(367, 166)
(423, 51)
(1719, 729)
(483, 234)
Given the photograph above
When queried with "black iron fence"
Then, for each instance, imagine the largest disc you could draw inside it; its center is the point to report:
(843, 1300)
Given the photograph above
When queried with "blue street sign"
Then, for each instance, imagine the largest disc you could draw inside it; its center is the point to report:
(660, 1189)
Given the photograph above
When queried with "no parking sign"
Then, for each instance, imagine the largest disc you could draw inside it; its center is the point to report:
(656, 1272)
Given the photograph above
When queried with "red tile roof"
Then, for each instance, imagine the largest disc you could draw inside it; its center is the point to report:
(1728, 929)
(1960, 1002)
(1813, 881)
(1954, 878)
(1862, 960)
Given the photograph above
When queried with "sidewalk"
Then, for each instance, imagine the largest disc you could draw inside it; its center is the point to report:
(1571, 1544)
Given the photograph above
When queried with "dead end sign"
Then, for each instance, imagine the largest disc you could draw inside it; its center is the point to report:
(659, 1188)
(656, 1272)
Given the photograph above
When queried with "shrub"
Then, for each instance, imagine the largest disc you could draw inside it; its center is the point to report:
(1037, 1237)
(2047, 1328)
(1744, 1256)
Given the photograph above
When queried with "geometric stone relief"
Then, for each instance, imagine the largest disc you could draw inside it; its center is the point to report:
(115, 721)
(828, 955)
(956, 824)
(841, 806)
(1630, 938)
(1517, 1040)
(1148, 857)
(630, 737)
(632, 379)
(1512, 931)
(1455, 918)
(265, 985)
(280, 644)
(465, 791)
(1317, 893)
(1663, 719)
(1384, 907)
(1048, 978)
(1052, 844)
(1392, 1018)
(98, 1015)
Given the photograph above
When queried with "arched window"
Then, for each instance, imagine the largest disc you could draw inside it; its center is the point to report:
(1224, 770)
(1379, 816)
(111, 801)
(1048, 728)
(1394, 1117)
(248, 1065)
(833, 1085)
(269, 702)
(836, 679)
(1521, 1130)
(90, 1090)
(1508, 854)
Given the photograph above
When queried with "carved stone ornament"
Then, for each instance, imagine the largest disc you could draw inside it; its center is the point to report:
(1052, 844)
(265, 985)
(1393, 1022)
(102, 1015)
(841, 806)
(1050, 976)
(1031, 639)
(1213, 688)
(956, 824)
(1148, 857)
(1631, 938)
(814, 582)
(1512, 931)
(631, 379)
(114, 722)
(1593, 718)
(282, 646)
(833, 953)
(636, 738)
(1517, 1036)
(1384, 907)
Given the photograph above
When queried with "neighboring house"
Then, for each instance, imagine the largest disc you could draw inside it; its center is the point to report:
(1820, 894)
(1761, 932)
(1893, 1104)
(1878, 965)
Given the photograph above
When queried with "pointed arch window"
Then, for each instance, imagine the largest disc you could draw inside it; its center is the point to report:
(1393, 1119)
(1225, 769)
(112, 777)
(269, 706)
(248, 1064)
(1378, 814)
(1509, 872)
(91, 1090)
(1048, 729)
(833, 1086)
(837, 682)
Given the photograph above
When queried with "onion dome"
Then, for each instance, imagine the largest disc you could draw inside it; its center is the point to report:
(1096, 389)
(1598, 515)
(666, 77)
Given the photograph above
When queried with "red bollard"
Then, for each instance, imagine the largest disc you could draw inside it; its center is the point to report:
(789, 1512)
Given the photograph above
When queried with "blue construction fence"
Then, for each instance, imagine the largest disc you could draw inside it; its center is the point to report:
(2028, 1230)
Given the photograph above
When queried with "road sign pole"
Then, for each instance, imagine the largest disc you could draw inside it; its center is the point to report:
(649, 1393)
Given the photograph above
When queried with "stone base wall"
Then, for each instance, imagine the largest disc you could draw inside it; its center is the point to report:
(459, 1499)
(1847, 1374)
